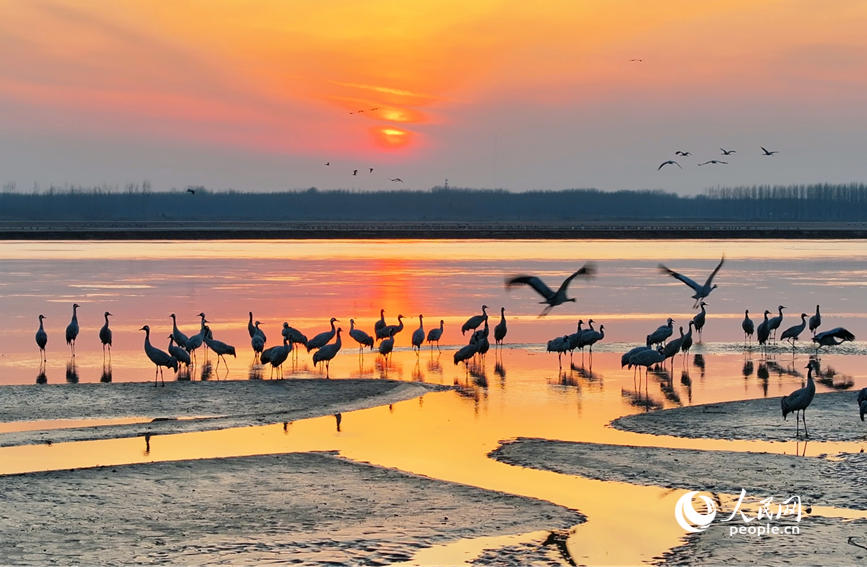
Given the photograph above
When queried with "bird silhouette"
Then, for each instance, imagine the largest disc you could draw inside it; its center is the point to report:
(769, 153)
(435, 334)
(362, 338)
(328, 352)
(178, 353)
(829, 338)
(793, 332)
(500, 330)
(41, 339)
(322, 339)
(815, 321)
(396, 180)
(800, 400)
(700, 319)
(105, 337)
(72, 329)
(473, 322)
(714, 161)
(354, 172)
(669, 162)
(371, 170)
(379, 325)
(220, 348)
(327, 163)
(727, 152)
(661, 334)
(552, 298)
(158, 357)
(701, 291)
(387, 344)
(747, 325)
(191, 191)
(418, 335)
(775, 322)
(682, 154)
(180, 338)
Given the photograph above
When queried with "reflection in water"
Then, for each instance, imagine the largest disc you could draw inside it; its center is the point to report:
(698, 362)
(71, 372)
(500, 369)
(147, 438)
(748, 368)
(338, 418)
(105, 377)
(831, 379)
(254, 372)
(685, 380)
(207, 370)
(41, 378)
(417, 376)
(433, 365)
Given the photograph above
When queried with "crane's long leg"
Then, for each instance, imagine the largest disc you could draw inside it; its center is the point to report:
(162, 379)
(797, 425)
(156, 375)
(804, 417)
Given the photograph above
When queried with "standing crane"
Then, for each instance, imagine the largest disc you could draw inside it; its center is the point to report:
(500, 330)
(748, 326)
(180, 338)
(158, 357)
(764, 330)
(327, 352)
(195, 341)
(473, 322)
(277, 356)
(700, 319)
(418, 335)
(551, 298)
(434, 335)
(387, 345)
(41, 339)
(392, 330)
(687, 341)
(180, 354)
(379, 325)
(800, 400)
(775, 322)
(793, 332)
(362, 338)
(661, 334)
(72, 329)
(105, 337)
(815, 321)
(322, 339)
(220, 348)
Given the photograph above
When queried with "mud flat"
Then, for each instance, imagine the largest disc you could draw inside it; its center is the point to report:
(831, 417)
(296, 508)
(182, 407)
(818, 481)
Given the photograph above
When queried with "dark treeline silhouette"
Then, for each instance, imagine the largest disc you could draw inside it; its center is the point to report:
(140, 203)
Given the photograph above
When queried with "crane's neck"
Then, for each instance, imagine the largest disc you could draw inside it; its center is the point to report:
(40, 324)
(75, 314)
(338, 341)
(352, 325)
(332, 326)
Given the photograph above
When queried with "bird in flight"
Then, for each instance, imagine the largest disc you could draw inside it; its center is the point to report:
(714, 161)
(354, 172)
(327, 163)
(359, 111)
(192, 191)
(371, 170)
(636, 60)
(669, 162)
(727, 152)
(767, 153)
(396, 180)
(552, 298)
(374, 109)
(684, 154)
(701, 291)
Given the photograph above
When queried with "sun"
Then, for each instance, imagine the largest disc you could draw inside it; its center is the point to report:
(391, 137)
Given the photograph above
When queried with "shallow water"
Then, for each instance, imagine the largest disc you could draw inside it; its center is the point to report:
(519, 393)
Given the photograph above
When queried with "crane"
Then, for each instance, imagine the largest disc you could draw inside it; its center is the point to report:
(180, 338)
(362, 338)
(748, 326)
(418, 335)
(327, 352)
(177, 352)
(473, 322)
(829, 338)
(700, 319)
(391, 330)
(800, 400)
(815, 321)
(105, 337)
(701, 291)
(793, 332)
(277, 356)
(41, 339)
(434, 335)
(551, 298)
(500, 330)
(559, 345)
(387, 345)
(763, 331)
(195, 341)
(72, 329)
(661, 334)
(322, 339)
(220, 348)
(158, 357)
(379, 324)
(775, 322)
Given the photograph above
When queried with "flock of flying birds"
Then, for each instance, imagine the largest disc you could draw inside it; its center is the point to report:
(724, 151)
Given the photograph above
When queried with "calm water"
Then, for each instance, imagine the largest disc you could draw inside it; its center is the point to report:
(520, 393)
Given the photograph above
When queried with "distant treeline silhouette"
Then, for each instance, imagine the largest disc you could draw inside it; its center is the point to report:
(139, 203)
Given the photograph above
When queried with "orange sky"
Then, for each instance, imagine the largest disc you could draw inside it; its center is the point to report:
(518, 94)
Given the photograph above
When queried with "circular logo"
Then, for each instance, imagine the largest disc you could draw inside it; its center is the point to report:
(688, 518)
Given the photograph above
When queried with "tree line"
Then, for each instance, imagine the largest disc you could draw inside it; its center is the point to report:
(820, 202)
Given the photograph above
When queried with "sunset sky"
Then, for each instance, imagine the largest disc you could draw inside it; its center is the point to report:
(259, 95)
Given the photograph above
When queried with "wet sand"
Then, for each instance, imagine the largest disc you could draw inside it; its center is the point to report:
(832, 416)
(182, 407)
(294, 508)
(505, 230)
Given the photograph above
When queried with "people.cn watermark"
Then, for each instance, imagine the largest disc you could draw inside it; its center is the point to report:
(694, 521)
